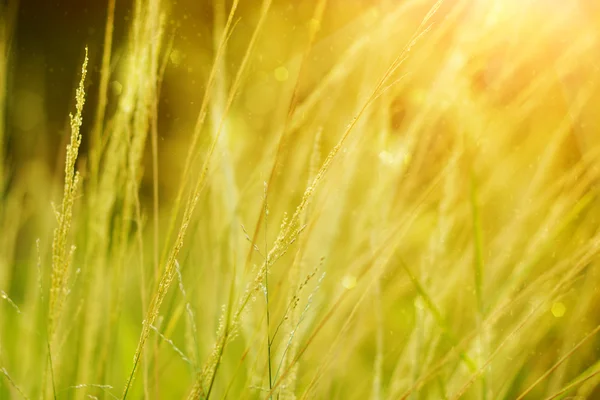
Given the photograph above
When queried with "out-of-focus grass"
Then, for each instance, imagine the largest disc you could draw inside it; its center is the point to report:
(321, 199)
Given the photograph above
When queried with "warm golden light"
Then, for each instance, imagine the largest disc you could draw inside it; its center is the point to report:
(324, 199)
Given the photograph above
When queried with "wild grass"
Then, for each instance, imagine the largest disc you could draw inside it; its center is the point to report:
(281, 200)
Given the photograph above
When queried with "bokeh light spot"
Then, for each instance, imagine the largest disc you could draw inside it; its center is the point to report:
(558, 309)
(282, 74)
(348, 281)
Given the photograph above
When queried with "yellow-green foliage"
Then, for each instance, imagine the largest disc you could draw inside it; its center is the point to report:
(61, 257)
(319, 199)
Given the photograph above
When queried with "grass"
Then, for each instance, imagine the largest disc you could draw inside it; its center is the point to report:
(388, 200)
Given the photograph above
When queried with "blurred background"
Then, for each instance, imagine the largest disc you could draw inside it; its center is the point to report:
(47, 46)
(481, 150)
(47, 41)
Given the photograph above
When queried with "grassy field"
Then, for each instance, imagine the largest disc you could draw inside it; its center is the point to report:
(276, 199)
